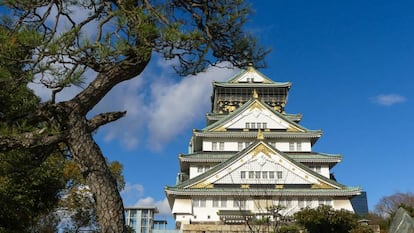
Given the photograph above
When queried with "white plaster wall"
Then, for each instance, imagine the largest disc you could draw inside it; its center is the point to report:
(228, 145)
(207, 146)
(342, 204)
(193, 172)
(306, 146)
(280, 145)
(209, 213)
(325, 171)
(194, 169)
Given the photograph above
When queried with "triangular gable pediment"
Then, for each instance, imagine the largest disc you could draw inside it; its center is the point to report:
(255, 115)
(250, 75)
(265, 160)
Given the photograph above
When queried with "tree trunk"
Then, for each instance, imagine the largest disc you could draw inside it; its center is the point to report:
(89, 157)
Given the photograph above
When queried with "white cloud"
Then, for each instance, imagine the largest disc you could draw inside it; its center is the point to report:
(162, 205)
(131, 193)
(176, 106)
(388, 99)
(159, 104)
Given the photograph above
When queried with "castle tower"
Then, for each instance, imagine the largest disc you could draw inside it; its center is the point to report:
(253, 160)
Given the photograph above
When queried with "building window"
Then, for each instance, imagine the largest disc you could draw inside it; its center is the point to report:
(264, 175)
(223, 202)
(259, 125)
(214, 147)
(271, 175)
(199, 202)
(243, 174)
(241, 204)
(257, 175)
(291, 146)
(216, 202)
(217, 146)
(299, 146)
(253, 125)
(221, 146)
(279, 174)
(247, 125)
(251, 174)
(264, 124)
(200, 169)
(324, 201)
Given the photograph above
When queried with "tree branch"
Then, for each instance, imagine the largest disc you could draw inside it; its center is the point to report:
(104, 118)
(29, 140)
(105, 81)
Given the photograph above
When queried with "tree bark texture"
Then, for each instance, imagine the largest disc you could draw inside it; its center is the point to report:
(89, 157)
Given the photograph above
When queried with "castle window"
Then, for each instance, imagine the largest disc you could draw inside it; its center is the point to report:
(223, 202)
(271, 175)
(220, 201)
(279, 174)
(200, 169)
(221, 146)
(299, 146)
(264, 175)
(247, 125)
(216, 202)
(264, 124)
(243, 174)
(291, 146)
(241, 204)
(214, 146)
(259, 125)
(217, 146)
(257, 175)
(199, 202)
(251, 174)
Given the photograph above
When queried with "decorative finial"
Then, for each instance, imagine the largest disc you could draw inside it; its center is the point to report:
(255, 94)
(249, 67)
(260, 135)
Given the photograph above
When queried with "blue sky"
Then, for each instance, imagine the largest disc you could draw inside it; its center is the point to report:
(351, 64)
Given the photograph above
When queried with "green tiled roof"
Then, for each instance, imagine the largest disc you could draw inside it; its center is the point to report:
(216, 156)
(304, 157)
(224, 119)
(251, 69)
(346, 191)
(253, 134)
(226, 84)
(241, 153)
(218, 116)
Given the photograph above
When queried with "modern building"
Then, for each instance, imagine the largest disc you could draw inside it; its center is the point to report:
(141, 219)
(253, 160)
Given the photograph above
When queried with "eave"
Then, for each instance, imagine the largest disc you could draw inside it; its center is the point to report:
(346, 192)
(313, 135)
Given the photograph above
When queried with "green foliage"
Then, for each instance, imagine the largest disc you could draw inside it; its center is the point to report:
(52, 42)
(289, 229)
(326, 220)
(29, 187)
(361, 229)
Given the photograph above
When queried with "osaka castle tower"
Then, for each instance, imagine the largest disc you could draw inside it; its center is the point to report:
(253, 159)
